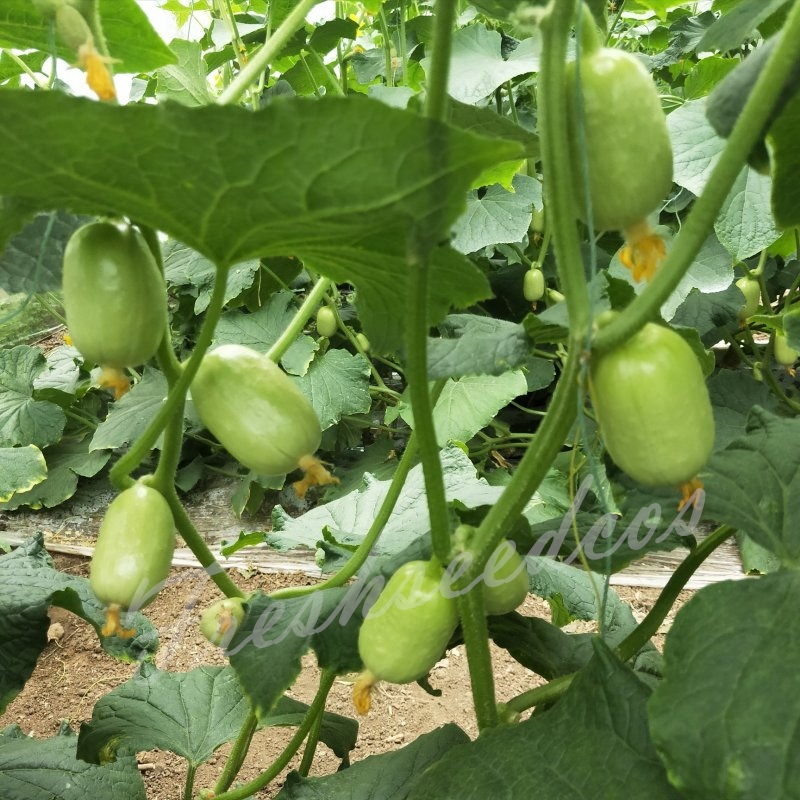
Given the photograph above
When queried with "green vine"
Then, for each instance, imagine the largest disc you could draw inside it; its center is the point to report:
(316, 709)
(301, 317)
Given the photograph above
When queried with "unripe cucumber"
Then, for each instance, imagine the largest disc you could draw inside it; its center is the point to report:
(653, 407)
(255, 410)
(628, 150)
(114, 295)
(401, 644)
(134, 547)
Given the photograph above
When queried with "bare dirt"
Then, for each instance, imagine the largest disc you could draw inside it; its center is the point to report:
(74, 672)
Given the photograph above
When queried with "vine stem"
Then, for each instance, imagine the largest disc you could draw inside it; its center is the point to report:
(644, 631)
(387, 46)
(563, 409)
(295, 328)
(557, 164)
(417, 305)
(700, 220)
(260, 60)
(552, 690)
(27, 70)
(188, 789)
(561, 214)
(310, 749)
(472, 611)
(316, 708)
(120, 472)
(534, 464)
(198, 546)
(443, 22)
(237, 754)
(648, 627)
(355, 562)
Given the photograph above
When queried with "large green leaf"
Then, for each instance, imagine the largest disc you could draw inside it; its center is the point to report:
(782, 143)
(66, 461)
(389, 776)
(61, 374)
(745, 225)
(468, 404)
(21, 468)
(261, 329)
(545, 649)
(738, 24)
(35, 769)
(184, 267)
(10, 68)
(40, 242)
(712, 315)
(23, 419)
(337, 384)
(131, 414)
(593, 744)
(473, 345)
(477, 65)
(711, 271)
(496, 215)
(311, 190)
(275, 634)
(130, 36)
(349, 517)
(184, 82)
(30, 586)
(754, 484)
(733, 395)
(190, 714)
(726, 717)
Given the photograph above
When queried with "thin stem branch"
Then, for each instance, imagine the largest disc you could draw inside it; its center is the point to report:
(26, 69)
(612, 27)
(648, 627)
(301, 317)
(353, 339)
(535, 463)
(541, 694)
(260, 60)
(355, 562)
(706, 208)
(198, 546)
(310, 749)
(164, 478)
(237, 754)
(776, 389)
(316, 708)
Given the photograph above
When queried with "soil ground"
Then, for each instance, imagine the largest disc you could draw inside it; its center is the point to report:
(74, 672)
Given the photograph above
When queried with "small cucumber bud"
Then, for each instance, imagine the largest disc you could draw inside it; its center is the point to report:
(363, 342)
(326, 322)
(218, 623)
(533, 285)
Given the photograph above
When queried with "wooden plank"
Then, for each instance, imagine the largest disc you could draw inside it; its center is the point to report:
(72, 527)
